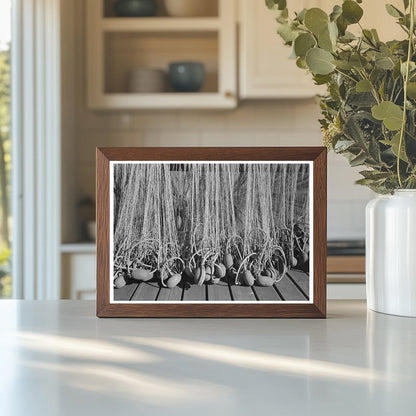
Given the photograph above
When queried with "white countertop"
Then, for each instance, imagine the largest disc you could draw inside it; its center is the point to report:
(57, 358)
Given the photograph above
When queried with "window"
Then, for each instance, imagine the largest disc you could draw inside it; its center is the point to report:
(5, 147)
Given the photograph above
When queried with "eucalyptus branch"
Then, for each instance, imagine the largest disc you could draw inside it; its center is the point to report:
(406, 80)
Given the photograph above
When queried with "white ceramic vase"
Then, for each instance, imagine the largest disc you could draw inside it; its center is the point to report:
(391, 253)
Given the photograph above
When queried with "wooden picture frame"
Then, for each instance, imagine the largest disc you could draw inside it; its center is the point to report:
(243, 160)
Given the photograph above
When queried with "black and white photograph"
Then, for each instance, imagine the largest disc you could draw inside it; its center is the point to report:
(211, 232)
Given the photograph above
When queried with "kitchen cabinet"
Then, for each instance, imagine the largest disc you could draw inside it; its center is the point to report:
(118, 45)
(78, 263)
(265, 70)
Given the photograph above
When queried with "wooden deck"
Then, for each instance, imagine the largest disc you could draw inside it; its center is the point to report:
(293, 287)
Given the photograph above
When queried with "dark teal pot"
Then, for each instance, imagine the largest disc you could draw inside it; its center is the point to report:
(186, 76)
(135, 8)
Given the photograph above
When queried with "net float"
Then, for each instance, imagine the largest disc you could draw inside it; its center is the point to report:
(228, 261)
(173, 280)
(266, 281)
(119, 282)
(141, 275)
(248, 278)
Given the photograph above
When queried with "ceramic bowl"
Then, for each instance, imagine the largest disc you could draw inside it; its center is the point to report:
(147, 80)
(191, 8)
(135, 8)
(186, 76)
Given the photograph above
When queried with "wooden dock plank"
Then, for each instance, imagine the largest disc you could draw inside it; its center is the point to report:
(242, 293)
(219, 291)
(266, 293)
(174, 294)
(194, 292)
(125, 292)
(147, 291)
(288, 290)
(301, 279)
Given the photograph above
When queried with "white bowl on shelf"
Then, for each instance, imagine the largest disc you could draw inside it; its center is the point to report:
(191, 8)
(147, 80)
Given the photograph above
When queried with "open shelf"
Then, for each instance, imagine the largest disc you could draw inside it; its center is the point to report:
(160, 24)
(118, 45)
(210, 6)
(126, 51)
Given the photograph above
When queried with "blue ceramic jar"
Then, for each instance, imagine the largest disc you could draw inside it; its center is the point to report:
(186, 76)
(135, 8)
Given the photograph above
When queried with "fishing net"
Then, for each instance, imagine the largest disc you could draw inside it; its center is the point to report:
(167, 210)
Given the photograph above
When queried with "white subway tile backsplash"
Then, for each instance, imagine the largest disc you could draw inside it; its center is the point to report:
(145, 120)
(260, 123)
(170, 138)
(202, 120)
(86, 180)
(346, 219)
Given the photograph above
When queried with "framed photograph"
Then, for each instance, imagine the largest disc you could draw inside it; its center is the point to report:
(211, 232)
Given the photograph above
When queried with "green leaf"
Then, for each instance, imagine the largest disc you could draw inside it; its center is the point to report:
(347, 37)
(319, 61)
(301, 63)
(368, 36)
(336, 12)
(375, 35)
(316, 20)
(344, 65)
(411, 90)
(358, 160)
(363, 86)
(365, 182)
(358, 61)
(393, 11)
(342, 25)
(343, 145)
(412, 67)
(388, 112)
(374, 175)
(287, 33)
(321, 79)
(303, 43)
(325, 42)
(351, 11)
(384, 62)
(301, 15)
(406, 4)
(394, 145)
(276, 4)
(333, 32)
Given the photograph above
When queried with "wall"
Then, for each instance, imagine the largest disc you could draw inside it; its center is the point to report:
(257, 123)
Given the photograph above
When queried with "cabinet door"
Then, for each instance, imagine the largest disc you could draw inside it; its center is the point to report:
(265, 68)
(78, 276)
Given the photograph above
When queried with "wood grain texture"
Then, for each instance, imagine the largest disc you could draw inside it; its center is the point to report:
(242, 293)
(300, 279)
(147, 291)
(317, 309)
(266, 293)
(220, 291)
(195, 292)
(174, 294)
(126, 292)
(288, 290)
(346, 264)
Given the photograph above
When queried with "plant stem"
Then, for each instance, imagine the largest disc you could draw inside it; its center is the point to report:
(406, 79)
